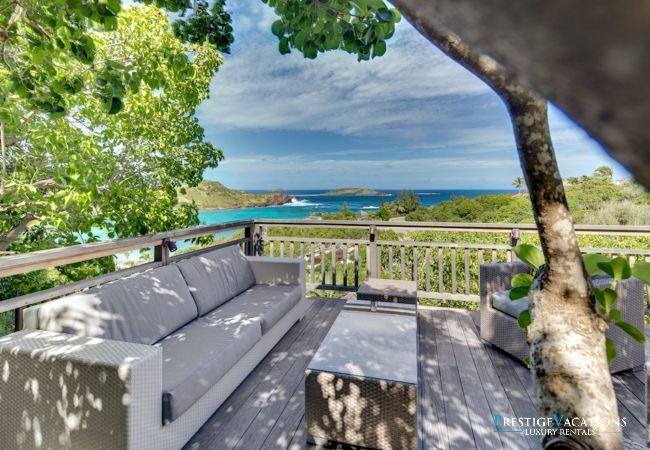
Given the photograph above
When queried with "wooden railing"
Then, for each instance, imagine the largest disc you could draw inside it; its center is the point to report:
(442, 270)
(160, 242)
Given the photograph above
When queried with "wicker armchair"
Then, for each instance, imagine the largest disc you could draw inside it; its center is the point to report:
(500, 328)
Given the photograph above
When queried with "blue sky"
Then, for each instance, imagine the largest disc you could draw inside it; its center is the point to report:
(411, 119)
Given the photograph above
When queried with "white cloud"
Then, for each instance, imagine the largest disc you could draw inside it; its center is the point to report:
(412, 85)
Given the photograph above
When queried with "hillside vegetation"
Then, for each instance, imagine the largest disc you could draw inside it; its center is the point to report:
(594, 200)
(214, 195)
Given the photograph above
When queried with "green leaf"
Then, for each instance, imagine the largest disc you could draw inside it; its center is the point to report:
(310, 51)
(527, 362)
(110, 23)
(600, 296)
(283, 46)
(641, 270)
(522, 279)
(622, 269)
(379, 49)
(606, 297)
(524, 319)
(610, 349)
(277, 28)
(618, 268)
(632, 331)
(615, 315)
(529, 254)
(116, 106)
(384, 15)
(519, 292)
(113, 6)
(591, 263)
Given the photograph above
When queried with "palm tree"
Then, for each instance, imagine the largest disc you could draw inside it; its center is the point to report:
(519, 184)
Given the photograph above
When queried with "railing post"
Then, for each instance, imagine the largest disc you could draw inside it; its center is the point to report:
(258, 240)
(161, 252)
(515, 234)
(248, 235)
(373, 264)
(18, 319)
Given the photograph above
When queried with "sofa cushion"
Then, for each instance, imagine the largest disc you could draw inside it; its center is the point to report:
(501, 301)
(142, 308)
(262, 302)
(197, 356)
(217, 276)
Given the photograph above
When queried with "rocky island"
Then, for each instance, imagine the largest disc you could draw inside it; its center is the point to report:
(353, 191)
(214, 195)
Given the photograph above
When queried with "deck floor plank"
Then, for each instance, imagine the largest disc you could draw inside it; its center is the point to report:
(273, 406)
(495, 393)
(476, 399)
(463, 382)
(433, 427)
(461, 435)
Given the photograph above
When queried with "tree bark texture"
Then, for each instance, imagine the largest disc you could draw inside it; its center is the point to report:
(588, 58)
(567, 338)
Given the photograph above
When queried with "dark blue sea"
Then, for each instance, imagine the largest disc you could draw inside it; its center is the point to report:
(313, 201)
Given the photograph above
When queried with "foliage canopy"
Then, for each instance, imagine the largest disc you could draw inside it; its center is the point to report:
(89, 174)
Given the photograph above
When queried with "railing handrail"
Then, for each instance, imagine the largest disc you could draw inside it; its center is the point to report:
(27, 262)
(328, 247)
(41, 259)
(636, 230)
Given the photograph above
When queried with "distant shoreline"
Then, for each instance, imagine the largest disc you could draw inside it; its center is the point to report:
(265, 205)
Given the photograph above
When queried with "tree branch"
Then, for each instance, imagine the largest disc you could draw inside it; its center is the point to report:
(15, 232)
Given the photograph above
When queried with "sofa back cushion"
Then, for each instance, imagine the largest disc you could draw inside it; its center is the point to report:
(216, 277)
(142, 308)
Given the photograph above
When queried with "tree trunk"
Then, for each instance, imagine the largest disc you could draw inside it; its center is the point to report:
(567, 338)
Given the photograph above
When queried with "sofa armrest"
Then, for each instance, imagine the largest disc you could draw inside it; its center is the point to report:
(60, 390)
(278, 270)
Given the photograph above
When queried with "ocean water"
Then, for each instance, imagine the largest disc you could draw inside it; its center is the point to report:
(313, 201)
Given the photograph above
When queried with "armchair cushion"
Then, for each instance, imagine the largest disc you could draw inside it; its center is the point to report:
(197, 356)
(216, 277)
(501, 301)
(142, 308)
(262, 303)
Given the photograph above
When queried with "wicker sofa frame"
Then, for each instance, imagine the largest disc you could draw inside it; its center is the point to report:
(85, 392)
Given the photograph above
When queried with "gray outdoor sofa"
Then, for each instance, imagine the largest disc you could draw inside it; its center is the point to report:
(143, 362)
(498, 315)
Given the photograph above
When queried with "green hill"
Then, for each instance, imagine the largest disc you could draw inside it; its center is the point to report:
(594, 200)
(352, 191)
(214, 195)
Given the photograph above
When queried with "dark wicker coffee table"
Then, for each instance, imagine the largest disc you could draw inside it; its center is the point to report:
(361, 386)
(377, 290)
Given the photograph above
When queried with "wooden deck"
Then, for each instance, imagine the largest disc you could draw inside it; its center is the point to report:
(463, 382)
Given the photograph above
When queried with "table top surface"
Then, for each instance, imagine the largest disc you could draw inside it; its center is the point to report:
(370, 345)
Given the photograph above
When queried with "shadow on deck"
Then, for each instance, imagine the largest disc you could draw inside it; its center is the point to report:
(463, 383)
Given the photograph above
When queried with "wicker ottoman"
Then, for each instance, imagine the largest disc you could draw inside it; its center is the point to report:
(361, 386)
